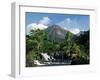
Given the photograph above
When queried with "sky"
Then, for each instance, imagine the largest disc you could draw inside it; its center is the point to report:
(72, 22)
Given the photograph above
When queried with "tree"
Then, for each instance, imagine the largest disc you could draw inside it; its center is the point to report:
(75, 50)
(68, 43)
(77, 57)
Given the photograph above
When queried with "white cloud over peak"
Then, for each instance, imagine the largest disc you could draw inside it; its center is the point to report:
(73, 30)
(42, 24)
(35, 26)
(70, 25)
(45, 21)
(65, 22)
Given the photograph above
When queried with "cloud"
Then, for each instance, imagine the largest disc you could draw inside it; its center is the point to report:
(66, 22)
(70, 25)
(35, 26)
(42, 24)
(72, 30)
(29, 28)
(45, 21)
(75, 31)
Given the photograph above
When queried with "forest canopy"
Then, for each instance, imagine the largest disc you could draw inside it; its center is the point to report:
(74, 48)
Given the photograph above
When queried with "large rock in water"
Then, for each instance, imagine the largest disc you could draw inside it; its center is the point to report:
(56, 33)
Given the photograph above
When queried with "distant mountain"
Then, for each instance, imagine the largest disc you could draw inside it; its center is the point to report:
(56, 33)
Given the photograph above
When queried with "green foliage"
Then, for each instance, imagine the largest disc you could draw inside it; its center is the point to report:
(75, 50)
(68, 37)
(29, 60)
(83, 43)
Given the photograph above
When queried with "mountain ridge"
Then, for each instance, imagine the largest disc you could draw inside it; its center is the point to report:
(58, 33)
